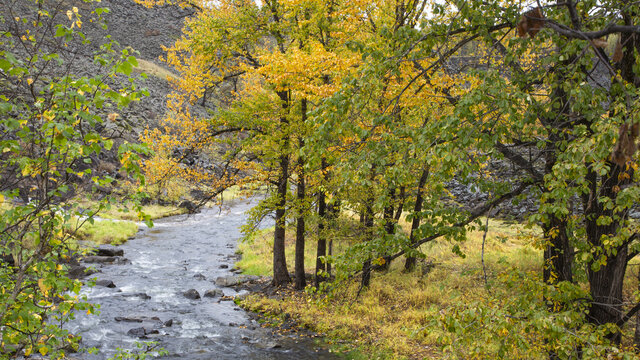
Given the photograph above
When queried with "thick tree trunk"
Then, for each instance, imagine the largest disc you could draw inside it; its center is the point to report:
(606, 281)
(410, 262)
(280, 273)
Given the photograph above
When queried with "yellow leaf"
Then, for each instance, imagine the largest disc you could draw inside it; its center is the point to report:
(43, 287)
(43, 350)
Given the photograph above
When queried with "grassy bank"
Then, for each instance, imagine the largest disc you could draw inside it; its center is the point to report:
(397, 316)
(120, 212)
(117, 224)
(107, 232)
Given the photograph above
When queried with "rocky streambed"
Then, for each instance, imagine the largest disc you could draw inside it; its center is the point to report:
(175, 284)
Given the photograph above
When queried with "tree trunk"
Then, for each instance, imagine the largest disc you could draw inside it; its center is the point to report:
(410, 262)
(389, 226)
(333, 213)
(301, 282)
(368, 225)
(558, 253)
(280, 272)
(606, 282)
(403, 197)
(322, 241)
(636, 335)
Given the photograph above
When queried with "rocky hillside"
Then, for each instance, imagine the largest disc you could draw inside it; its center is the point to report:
(146, 31)
(132, 26)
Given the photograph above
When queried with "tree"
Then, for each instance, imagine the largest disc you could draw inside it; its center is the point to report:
(51, 121)
(275, 54)
(560, 94)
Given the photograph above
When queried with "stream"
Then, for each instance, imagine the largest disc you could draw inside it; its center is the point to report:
(147, 303)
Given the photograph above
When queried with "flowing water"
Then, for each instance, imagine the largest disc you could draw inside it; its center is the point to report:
(181, 253)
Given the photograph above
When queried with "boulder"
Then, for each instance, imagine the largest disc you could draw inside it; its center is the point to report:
(191, 294)
(141, 332)
(142, 296)
(233, 280)
(137, 332)
(190, 206)
(77, 272)
(107, 250)
(213, 293)
(94, 259)
(105, 283)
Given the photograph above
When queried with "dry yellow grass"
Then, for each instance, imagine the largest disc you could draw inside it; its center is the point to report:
(154, 70)
(397, 316)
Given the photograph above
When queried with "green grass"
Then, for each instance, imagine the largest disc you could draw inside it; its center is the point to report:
(154, 211)
(117, 230)
(107, 232)
(119, 212)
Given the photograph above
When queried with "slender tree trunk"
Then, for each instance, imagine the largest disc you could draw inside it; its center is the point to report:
(280, 272)
(402, 198)
(368, 228)
(301, 282)
(333, 213)
(410, 262)
(322, 241)
(389, 225)
(636, 335)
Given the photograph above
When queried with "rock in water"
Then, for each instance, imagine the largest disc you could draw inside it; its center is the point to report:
(137, 332)
(77, 271)
(227, 281)
(142, 296)
(99, 259)
(107, 250)
(199, 277)
(105, 283)
(213, 293)
(191, 294)
(127, 319)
